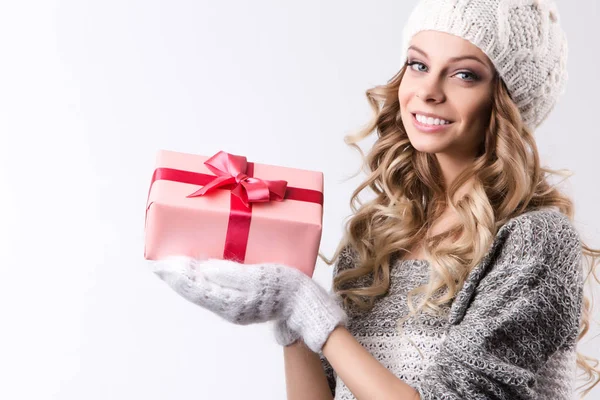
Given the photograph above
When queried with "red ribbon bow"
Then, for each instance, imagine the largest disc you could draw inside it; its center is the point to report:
(230, 171)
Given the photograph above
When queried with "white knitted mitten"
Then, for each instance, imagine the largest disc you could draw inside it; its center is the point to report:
(283, 334)
(253, 293)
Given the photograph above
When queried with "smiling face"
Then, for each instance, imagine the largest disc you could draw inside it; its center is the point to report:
(449, 78)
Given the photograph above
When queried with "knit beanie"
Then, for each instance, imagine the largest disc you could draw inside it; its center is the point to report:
(522, 38)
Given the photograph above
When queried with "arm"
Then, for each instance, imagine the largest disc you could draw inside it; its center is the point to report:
(523, 311)
(304, 375)
(304, 365)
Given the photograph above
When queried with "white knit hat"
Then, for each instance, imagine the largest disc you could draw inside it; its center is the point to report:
(522, 38)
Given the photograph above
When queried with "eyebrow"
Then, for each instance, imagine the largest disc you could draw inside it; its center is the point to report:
(453, 59)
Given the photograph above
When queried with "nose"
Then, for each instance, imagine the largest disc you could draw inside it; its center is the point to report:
(430, 89)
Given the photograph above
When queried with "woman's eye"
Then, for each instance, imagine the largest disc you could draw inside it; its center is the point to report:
(411, 63)
(472, 76)
(467, 76)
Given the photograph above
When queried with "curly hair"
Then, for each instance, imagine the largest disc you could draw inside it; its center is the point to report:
(410, 194)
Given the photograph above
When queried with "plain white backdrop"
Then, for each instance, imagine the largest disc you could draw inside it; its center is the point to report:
(90, 90)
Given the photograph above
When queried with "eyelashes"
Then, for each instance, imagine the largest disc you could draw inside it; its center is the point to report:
(473, 76)
(411, 63)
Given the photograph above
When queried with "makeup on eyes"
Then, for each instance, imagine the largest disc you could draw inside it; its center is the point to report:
(474, 76)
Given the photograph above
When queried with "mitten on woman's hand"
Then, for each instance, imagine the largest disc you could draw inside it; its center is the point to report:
(253, 293)
(283, 334)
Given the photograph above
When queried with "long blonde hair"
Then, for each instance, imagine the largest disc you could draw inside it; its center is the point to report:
(410, 194)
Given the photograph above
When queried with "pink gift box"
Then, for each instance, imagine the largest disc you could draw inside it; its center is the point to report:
(233, 221)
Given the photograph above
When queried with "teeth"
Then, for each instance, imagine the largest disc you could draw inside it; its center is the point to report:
(431, 121)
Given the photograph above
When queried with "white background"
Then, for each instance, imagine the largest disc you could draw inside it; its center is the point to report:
(90, 90)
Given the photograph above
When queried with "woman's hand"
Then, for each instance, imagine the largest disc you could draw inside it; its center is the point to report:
(252, 293)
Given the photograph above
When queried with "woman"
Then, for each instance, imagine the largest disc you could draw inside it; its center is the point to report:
(463, 219)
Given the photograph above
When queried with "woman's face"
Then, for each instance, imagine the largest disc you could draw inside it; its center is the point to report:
(440, 82)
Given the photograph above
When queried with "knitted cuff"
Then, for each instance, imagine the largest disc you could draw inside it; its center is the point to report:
(315, 314)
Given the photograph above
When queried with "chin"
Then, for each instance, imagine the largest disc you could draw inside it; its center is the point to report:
(426, 145)
(428, 149)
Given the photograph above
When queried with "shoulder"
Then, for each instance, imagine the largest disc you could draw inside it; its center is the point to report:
(542, 234)
(541, 219)
(347, 259)
(536, 247)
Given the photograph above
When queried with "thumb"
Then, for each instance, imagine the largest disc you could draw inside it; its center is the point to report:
(283, 334)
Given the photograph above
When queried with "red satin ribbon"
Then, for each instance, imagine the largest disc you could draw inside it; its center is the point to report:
(231, 172)
(234, 173)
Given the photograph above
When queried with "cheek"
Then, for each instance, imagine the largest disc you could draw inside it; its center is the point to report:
(404, 91)
(475, 108)
(404, 95)
(483, 115)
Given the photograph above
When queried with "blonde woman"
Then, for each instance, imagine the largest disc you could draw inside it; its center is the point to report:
(463, 278)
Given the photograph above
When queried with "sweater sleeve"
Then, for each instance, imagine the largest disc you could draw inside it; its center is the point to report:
(523, 308)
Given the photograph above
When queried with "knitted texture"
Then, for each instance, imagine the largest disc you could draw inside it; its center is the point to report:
(253, 293)
(522, 38)
(283, 334)
(510, 332)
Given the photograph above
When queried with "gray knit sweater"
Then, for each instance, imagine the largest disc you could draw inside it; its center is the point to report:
(510, 333)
